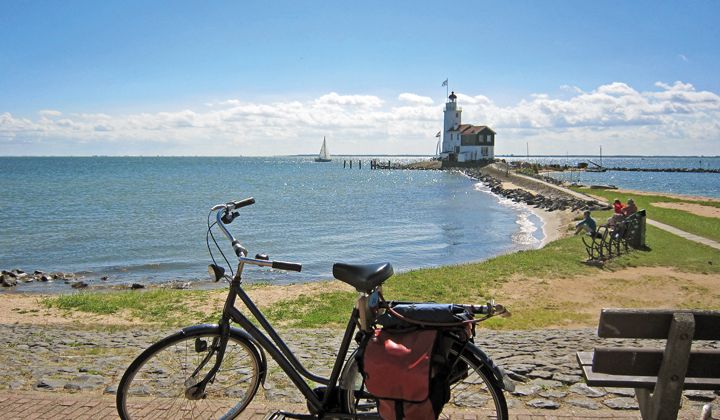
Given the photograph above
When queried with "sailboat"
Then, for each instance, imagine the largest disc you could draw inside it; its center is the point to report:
(324, 156)
(598, 167)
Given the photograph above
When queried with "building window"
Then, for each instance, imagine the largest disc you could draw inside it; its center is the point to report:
(457, 115)
(484, 151)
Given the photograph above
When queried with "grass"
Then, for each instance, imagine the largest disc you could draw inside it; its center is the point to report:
(160, 306)
(473, 283)
(707, 227)
(466, 283)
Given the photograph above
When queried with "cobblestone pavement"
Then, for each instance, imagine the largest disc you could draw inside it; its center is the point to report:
(51, 372)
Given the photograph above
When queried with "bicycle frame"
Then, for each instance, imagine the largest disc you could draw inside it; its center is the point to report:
(280, 352)
(274, 344)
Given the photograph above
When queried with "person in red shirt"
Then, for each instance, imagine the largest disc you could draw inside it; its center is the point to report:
(618, 215)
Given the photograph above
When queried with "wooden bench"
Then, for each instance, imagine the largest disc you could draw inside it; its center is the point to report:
(611, 241)
(658, 375)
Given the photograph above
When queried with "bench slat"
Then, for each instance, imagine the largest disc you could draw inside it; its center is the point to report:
(643, 323)
(623, 381)
(646, 362)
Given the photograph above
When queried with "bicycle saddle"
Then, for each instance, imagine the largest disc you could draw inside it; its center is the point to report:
(363, 277)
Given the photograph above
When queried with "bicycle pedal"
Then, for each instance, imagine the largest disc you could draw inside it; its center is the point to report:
(277, 415)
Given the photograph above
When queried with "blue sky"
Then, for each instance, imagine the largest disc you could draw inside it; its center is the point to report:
(192, 78)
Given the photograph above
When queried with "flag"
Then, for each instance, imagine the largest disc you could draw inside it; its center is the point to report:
(438, 134)
(445, 82)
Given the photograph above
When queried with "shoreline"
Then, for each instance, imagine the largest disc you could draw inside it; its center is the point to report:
(554, 225)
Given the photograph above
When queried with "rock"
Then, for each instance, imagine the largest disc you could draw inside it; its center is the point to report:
(522, 369)
(543, 403)
(625, 392)
(135, 286)
(705, 396)
(546, 383)
(9, 273)
(104, 278)
(110, 389)
(567, 379)
(622, 403)
(540, 374)
(552, 393)
(8, 281)
(79, 285)
(590, 405)
(526, 390)
(48, 384)
(587, 391)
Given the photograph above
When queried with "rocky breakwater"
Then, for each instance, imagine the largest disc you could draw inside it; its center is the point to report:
(15, 278)
(11, 278)
(546, 197)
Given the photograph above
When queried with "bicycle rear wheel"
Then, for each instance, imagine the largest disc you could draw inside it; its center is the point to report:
(156, 383)
(475, 391)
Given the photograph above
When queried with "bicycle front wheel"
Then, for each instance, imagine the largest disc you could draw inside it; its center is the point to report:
(156, 384)
(473, 391)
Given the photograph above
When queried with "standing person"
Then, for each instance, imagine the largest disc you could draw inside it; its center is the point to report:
(618, 215)
(587, 223)
(631, 208)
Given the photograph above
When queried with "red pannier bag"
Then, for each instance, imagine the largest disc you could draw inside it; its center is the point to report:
(397, 368)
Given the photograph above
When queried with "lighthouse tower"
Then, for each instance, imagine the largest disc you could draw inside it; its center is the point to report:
(451, 137)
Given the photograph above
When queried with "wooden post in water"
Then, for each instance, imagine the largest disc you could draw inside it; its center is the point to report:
(359, 164)
(350, 163)
(344, 163)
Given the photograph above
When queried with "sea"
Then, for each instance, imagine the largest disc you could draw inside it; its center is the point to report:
(145, 219)
(703, 184)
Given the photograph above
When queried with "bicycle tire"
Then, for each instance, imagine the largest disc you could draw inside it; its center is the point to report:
(234, 386)
(478, 393)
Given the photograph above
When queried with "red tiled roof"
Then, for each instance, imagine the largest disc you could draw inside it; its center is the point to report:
(472, 129)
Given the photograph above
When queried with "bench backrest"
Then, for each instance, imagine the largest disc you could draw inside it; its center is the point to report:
(678, 327)
(649, 323)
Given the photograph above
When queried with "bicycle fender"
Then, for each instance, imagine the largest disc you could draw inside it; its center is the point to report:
(505, 382)
(240, 335)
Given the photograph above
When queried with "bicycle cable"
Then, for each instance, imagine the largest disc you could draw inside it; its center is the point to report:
(209, 235)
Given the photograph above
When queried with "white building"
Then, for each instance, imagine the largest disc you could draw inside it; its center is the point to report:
(465, 142)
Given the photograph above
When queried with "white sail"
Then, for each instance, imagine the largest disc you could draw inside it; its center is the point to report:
(324, 156)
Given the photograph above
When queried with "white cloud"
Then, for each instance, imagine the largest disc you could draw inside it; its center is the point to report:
(49, 113)
(672, 118)
(353, 100)
(415, 99)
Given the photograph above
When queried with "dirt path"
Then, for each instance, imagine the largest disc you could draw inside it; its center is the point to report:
(639, 287)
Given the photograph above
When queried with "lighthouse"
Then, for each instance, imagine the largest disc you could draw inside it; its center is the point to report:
(451, 140)
(465, 142)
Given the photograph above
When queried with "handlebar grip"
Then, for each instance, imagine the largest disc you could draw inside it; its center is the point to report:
(289, 266)
(242, 203)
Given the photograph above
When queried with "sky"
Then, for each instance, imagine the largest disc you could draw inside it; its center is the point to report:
(273, 78)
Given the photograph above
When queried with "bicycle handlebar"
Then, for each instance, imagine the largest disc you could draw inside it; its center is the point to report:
(225, 216)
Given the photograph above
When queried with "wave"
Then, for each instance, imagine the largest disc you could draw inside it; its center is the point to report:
(525, 236)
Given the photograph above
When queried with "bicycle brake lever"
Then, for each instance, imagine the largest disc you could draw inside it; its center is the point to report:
(229, 216)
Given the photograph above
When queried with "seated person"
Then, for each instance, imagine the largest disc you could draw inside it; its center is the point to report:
(618, 215)
(631, 208)
(587, 223)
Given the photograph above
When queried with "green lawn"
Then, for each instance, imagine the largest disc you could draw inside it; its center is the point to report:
(471, 283)
(466, 283)
(707, 227)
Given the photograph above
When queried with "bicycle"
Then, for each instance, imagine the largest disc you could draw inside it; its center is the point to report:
(215, 370)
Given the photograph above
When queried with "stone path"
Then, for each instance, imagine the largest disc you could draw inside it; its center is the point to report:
(683, 234)
(51, 372)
